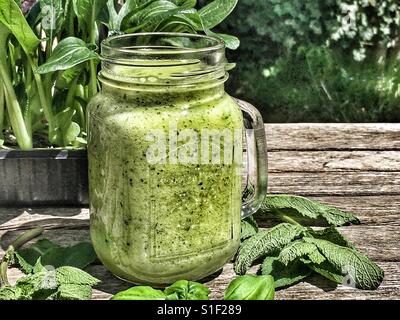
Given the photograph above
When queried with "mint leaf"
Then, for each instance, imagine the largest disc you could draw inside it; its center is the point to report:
(365, 273)
(72, 275)
(64, 283)
(331, 234)
(305, 210)
(11, 293)
(28, 257)
(249, 228)
(79, 256)
(285, 275)
(43, 280)
(51, 254)
(300, 249)
(325, 269)
(73, 292)
(139, 293)
(187, 290)
(265, 243)
(38, 286)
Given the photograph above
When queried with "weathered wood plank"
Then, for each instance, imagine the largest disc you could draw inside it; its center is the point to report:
(333, 136)
(23, 218)
(372, 210)
(334, 161)
(335, 183)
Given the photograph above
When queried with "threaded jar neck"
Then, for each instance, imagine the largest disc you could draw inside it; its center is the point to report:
(153, 61)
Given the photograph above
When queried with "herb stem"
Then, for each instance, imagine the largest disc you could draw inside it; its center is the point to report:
(15, 245)
(286, 218)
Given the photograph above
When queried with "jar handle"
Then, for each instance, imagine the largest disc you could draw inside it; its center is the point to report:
(256, 161)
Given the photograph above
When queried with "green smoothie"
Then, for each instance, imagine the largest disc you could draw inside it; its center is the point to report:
(161, 210)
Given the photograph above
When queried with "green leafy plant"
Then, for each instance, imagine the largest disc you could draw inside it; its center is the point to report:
(49, 59)
(180, 290)
(291, 252)
(246, 287)
(250, 287)
(51, 272)
(186, 290)
(139, 293)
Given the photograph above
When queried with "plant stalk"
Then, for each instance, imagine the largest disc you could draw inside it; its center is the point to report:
(92, 64)
(2, 108)
(22, 134)
(286, 218)
(9, 254)
(48, 112)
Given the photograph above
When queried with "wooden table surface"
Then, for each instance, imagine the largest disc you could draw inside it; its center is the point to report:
(355, 167)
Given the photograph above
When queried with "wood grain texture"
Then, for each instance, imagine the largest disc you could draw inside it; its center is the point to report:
(335, 183)
(334, 161)
(333, 136)
(353, 167)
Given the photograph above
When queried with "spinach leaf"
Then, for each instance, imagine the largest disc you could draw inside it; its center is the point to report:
(216, 12)
(87, 11)
(12, 17)
(187, 290)
(231, 42)
(249, 287)
(68, 53)
(139, 293)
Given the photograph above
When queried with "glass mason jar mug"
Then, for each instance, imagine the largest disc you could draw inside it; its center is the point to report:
(165, 159)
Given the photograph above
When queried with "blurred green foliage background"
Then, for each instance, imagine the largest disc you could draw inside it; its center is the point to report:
(318, 60)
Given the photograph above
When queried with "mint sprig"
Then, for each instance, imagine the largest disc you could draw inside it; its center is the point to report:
(52, 271)
(292, 251)
(305, 211)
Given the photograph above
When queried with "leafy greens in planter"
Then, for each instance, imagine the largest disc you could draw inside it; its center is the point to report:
(291, 252)
(49, 60)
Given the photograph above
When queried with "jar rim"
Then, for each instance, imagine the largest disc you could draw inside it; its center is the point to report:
(113, 45)
(163, 59)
